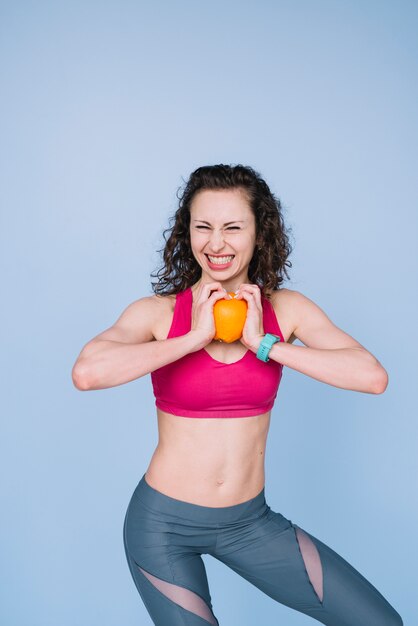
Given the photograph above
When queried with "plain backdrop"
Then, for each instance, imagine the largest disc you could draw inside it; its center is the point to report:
(106, 108)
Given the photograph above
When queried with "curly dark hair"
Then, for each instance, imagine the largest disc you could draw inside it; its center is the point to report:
(270, 259)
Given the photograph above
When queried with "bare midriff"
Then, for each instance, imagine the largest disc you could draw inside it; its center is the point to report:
(209, 461)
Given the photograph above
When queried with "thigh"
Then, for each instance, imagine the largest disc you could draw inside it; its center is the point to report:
(169, 575)
(298, 570)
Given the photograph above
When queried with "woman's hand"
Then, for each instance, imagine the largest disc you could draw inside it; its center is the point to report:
(203, 321)
(253, 331)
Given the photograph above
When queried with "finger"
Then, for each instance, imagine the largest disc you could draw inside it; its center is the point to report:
(254, 290)
(223, 293)
(216, 287)
(208, 288)
(245, 289)
(218, 295)
(246, 295)
(257, 296)
(215, 296)
(252, 300)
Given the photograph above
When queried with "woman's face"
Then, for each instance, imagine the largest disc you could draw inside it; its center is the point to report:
(222, 224)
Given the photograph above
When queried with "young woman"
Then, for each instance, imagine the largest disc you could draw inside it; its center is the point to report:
(203, 491)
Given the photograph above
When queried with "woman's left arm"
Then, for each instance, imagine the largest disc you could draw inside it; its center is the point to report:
(329, 355)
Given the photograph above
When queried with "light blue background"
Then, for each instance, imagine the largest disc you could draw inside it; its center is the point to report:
(106, 107)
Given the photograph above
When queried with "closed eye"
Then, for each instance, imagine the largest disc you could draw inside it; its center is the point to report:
(229, 227)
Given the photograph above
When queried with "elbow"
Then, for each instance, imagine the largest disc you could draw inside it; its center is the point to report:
(80, 378)
(380, 380)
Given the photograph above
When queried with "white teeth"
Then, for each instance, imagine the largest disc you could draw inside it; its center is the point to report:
(220, 260)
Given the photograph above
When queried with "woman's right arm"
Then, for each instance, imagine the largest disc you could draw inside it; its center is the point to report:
(128, 350)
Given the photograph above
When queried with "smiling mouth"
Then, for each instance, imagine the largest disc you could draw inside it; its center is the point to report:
(216, 259)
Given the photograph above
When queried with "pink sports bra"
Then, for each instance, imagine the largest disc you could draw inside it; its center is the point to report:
(197, 385)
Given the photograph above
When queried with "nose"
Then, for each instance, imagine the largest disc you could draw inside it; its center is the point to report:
(216, 241)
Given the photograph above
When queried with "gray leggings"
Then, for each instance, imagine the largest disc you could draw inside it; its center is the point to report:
(165, 537)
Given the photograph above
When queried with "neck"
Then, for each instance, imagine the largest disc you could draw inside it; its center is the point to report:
(228, 285)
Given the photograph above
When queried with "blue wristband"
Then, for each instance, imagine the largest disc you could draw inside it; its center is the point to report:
(265, 346)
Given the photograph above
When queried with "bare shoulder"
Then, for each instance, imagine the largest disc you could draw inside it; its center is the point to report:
(163, 314)
(139, 321)
(308, 322)
(284, 302)
(288, 299)
(282, 294)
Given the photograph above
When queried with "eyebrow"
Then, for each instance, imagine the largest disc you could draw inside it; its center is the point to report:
(226, 223)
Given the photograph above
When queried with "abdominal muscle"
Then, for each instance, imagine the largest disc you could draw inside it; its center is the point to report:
(213, 462)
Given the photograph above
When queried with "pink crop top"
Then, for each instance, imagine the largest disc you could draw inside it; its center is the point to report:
(197, 385)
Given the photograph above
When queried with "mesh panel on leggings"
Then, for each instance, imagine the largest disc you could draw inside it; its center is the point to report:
(184, 597)
(312, 561)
